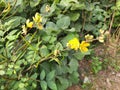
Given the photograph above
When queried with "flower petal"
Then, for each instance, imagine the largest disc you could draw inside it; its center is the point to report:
(73, 44)
(83, 49)
(85, 44)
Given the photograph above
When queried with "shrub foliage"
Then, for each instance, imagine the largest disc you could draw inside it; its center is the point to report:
(33, 51)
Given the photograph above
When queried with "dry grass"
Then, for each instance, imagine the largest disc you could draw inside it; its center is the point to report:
(107, 79)
(112, 47)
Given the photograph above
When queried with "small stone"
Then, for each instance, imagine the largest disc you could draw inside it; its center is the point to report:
(86, 80)
(118, 74)
(113, 73)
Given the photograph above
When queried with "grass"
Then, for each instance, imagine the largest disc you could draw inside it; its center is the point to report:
(112, 49)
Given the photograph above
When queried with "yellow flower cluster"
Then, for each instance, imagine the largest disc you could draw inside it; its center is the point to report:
(29, 24)
(100, 38)
(7, 9)
(102, 35)
(24, 30)
(89, 38)
(75, 44)
(37, 22)
(37, 18)
(83, 46)
(47, 8)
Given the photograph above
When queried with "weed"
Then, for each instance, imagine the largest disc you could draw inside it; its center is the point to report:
(96, 65)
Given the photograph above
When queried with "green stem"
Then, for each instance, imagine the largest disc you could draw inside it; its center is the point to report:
(24, 47)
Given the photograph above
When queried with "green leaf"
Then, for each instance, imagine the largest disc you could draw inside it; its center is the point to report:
(21, 85)
(2, 72)
(78, 6)
(118, 4)
(67, 3)
(67, 38)
(34, 76)
(9, 72)
(44, 51)
(10, 38)
(2, 3)
(79, 55)
(58, 46)
(71, 30)
(43, 85)
(50, 75)
(19, 2)
(34, 85)
(89, 27)
(73, 64)
(78, 27)
(12, 35)
(1, 33)
(34, 3)
(51, 27)
(64, 83)
(62, 69)
(63, 22)
(52, 39)
(52, 85)
(74, 77)
(74, 16)
(42, 75)
(13, 22)
(46, 38)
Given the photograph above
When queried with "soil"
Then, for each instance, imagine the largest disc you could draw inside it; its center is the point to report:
(107, 79)
(104, 80)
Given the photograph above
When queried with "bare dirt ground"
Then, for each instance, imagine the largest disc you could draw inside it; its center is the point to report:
(104, 80)
(107, 79)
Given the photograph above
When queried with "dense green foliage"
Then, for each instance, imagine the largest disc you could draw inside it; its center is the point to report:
(40, 59)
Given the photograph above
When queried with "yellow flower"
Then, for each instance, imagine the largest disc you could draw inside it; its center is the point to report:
(24, 30)
(56, 52)
(39, 26)
(7, 9)
(29, 24)
(89, 38)
(37, 18)
(107, 33)
(73, 44)
(101, 31)
(83, 46)
(47, 8)
(101, 38)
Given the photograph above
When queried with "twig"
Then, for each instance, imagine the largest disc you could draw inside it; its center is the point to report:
(84, 20)
(111, 23)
